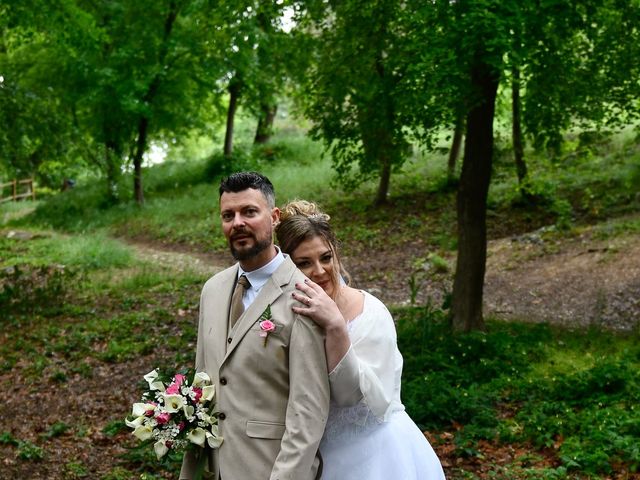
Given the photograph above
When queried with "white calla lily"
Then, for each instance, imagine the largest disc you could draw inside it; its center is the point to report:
(151, 380)
(160, 448)
(143, 432)
(197, 436)
(142, 408)
(151, 376)
(135, 423)
(208, 393)
(201, 379)
(206, 418)
(173, 403)
(188, 410)
(214, 441)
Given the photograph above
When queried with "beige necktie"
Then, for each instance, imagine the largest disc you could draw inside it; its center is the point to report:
(236, 300)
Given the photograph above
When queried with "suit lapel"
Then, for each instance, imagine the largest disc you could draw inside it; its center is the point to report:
(221, 315)
(268, 294)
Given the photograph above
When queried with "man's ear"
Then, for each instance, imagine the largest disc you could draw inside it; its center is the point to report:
(275, 216)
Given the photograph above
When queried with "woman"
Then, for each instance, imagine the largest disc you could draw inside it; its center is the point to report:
(368, 436)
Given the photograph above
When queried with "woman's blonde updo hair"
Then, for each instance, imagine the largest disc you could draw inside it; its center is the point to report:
(301, 220)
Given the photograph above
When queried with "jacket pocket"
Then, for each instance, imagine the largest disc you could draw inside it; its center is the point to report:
(256, 429)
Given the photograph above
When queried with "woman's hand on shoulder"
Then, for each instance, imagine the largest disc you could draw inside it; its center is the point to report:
(317, 305)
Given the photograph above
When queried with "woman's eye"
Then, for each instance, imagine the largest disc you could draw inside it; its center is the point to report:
(302, 265)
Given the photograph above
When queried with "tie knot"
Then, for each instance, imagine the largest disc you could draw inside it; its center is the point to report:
(244, 282)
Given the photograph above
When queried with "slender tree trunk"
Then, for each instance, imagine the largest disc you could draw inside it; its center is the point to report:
(149, 97)
(472, 201)
(141, 146)
(516, 130)
(234, 93)
(112, 169)
(385, 179)
(265, 123)
(455, 148)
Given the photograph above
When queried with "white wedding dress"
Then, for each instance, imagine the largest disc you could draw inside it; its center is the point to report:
(369, 436)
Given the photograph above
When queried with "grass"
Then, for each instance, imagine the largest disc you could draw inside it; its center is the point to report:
(93, 251)
(573, 392)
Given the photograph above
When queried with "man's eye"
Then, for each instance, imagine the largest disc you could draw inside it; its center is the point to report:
(226, 217)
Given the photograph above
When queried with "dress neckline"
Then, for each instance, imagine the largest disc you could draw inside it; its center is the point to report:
(354, 319)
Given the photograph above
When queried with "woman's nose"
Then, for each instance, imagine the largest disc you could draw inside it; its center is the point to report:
(317, 269)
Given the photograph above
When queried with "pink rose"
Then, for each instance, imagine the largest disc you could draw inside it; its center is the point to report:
(181, 426)
(198, 393)
(266, 326)
(163, 418)
(150, 407)
(179, 379)
(173, 389)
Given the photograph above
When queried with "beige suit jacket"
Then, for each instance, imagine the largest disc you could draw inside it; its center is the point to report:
(273, 399)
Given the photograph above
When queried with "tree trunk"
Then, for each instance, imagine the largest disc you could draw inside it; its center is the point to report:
(516, 130)
(143, 122)
(383, 185)
(265, 123)
(455, 148)
(475, 177)
(112, 169)
(234, 93)
(141, 146)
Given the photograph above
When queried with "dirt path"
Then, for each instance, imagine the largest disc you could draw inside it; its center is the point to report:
(581, 282)
(206, 264)
(578, 282)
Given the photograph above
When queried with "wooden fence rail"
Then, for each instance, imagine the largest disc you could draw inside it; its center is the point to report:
(18, 192)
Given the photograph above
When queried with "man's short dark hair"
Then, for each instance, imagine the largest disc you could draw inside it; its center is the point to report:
(239, 181)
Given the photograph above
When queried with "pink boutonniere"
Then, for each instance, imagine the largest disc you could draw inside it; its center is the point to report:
(266, 325)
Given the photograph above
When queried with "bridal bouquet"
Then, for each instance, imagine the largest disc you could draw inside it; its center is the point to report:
(175, 414)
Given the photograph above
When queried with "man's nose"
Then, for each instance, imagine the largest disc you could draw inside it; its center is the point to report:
(238, 221)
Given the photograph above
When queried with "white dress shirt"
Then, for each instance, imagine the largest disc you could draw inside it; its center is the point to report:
(257, 278)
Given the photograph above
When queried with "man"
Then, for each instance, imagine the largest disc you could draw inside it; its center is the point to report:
(272, 389)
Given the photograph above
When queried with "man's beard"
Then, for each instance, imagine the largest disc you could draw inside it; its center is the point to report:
(258, 247)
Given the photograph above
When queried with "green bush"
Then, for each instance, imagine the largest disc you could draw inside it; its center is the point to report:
(523, 383)
(29, 289)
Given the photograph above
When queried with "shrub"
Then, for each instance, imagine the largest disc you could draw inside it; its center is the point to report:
(27, 288)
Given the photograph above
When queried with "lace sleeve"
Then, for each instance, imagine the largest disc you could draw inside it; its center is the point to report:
(349, 421)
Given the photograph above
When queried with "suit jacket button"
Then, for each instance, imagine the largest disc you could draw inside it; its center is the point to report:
(229, 340)
(221, 416)
(223, 381)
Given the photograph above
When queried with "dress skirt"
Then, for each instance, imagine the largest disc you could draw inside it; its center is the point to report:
(358, 447)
